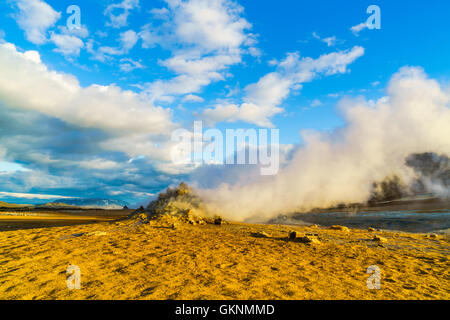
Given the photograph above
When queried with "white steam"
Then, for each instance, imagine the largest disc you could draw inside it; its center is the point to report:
(341, 167)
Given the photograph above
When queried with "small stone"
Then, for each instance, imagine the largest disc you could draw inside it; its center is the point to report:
(143, 217)
(370, 229)
(261, 234)
(340, 228)
(312, 234)
(292, 235)
(218, 221)
(379, 239)
(98, 233)
(308, 239)
(434, 236)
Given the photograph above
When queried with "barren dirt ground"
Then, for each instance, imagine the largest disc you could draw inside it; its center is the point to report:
(131, 260)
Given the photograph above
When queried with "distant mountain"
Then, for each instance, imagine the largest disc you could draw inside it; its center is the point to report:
(93, 203)
(12, 205)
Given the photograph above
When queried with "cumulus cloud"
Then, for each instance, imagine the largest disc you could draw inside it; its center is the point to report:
(70, 157)
(78, 139)
(66, 44)
(337, 167)
(25, 82)
(205, 37)
(35, 17)
(263, 98)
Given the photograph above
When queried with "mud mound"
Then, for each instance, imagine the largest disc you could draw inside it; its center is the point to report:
(176, 207)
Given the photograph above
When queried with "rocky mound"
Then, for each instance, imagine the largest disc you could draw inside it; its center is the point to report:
(176, 207)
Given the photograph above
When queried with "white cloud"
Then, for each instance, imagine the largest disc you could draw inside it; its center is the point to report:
(128, 65)
(264, 97)
(316, 103)
(80, 32)
(129, 122)
(127, 41)
(35, 17)
(330, 41)
(31, 196)
(120, 20)
(205, 37)
(26, 83)
(193, 98)
(375, 83)
(210, 25)
(358, 28)
(101, 34)
(66, 44)
(160, 13)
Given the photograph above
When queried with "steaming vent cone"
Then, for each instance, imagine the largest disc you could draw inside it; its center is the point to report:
(176, 207)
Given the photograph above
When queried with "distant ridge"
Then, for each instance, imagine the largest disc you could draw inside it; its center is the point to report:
(92, 203)
(13, 205)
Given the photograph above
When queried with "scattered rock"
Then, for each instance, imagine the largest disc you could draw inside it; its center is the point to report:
(97, 233)
(261, 234)
(292, 235)
(313, 234)
(379, 239)
(143, 217)
(218, 221)
(308, 239)
(340, 228)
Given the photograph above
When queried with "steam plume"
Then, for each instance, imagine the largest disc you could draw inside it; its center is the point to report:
(341, 167)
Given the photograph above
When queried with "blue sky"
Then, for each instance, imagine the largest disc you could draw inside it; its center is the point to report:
(88, 112)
